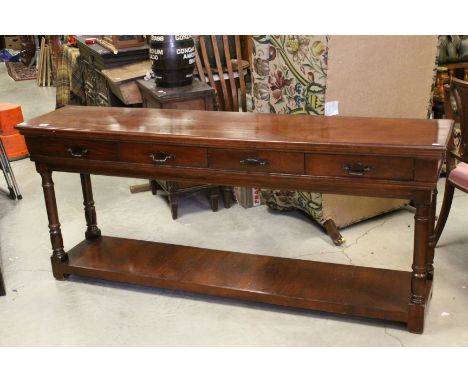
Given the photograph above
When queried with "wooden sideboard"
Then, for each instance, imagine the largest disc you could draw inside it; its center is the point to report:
(395, 158)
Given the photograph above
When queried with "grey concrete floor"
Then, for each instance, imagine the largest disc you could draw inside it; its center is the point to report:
(38, 310)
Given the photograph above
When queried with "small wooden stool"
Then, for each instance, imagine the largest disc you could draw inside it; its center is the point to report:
(197, 96)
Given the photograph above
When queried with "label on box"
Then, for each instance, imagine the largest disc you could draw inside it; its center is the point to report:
(257, 196)
(331, 108)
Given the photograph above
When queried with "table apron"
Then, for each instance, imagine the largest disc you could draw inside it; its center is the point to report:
(325, 184)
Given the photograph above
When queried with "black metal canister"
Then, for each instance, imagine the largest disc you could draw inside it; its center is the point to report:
(173, 59)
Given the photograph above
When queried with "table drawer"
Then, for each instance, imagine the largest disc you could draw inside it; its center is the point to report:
(257, 161)
(164, 155)
(74, 148)
(364, 166)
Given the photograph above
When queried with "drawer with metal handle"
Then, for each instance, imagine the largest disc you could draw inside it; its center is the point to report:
(256, 161)
(359, 166)
(73, 148)
(163, 155)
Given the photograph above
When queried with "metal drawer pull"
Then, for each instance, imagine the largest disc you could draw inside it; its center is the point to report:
(161, 157)
(356, 169)
(254, 162)
(77, 152)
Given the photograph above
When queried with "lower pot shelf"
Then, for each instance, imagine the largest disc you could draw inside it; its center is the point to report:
(336, 288)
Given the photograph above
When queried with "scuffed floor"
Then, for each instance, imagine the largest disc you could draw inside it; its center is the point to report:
(38, 310)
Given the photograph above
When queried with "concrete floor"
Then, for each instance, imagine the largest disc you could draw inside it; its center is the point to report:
(38, 310)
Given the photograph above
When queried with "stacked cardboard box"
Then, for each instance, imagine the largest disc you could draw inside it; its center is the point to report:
(12, 42)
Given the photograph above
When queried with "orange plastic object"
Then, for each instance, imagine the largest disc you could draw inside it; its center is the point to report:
(10, 116)
(15, 146)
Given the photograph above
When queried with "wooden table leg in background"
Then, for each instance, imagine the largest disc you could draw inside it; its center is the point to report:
(227, 196)
(2, 284)
(214, 198)
(419, 280)
(92, 231)
(59, 256)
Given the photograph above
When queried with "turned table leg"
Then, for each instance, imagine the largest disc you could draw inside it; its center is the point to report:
(92, 231)
(432, 237)
(59, 256)
(420, 262)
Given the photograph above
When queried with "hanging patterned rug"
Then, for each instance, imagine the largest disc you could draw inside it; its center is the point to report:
(19, 72)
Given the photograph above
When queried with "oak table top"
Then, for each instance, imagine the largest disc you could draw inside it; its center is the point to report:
(392, 136)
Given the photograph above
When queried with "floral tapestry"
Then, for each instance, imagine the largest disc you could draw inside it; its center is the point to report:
(289, 77)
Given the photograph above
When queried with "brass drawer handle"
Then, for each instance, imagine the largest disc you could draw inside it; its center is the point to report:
(254, 162)
(77, 152)
(161, 157)
(356, 169)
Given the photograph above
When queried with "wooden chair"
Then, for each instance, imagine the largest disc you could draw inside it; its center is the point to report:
(457, 174)
(224, 76)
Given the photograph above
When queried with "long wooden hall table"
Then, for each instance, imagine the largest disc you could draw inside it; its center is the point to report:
(394, 158)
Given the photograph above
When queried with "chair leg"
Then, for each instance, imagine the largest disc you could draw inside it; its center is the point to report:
(333, 232)
(227, 196)
(173, 202)
(154, 186)
(214, 197)
(2, 284)
(444, 212)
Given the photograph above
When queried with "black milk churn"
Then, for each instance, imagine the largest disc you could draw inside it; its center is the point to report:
(173, 59)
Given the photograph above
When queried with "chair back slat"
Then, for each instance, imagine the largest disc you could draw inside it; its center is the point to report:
(240, 69)
(227, 101)
(222, 57)
(232, 80)
(206, 62)
(201, 72)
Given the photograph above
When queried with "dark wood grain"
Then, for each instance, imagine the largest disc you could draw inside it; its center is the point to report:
(73, 148)
(360, 291)
(395, 158)
(378, 167)
(92, 230)
(392, 136)
(274, 162)
(59, 255)
(182, 155)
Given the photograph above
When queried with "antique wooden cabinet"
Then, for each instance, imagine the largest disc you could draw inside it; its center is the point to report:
(94, 58)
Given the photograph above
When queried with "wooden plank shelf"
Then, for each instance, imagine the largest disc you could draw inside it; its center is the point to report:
(343, 289)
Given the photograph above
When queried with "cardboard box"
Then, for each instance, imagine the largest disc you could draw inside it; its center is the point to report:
(248, 197)
(377, 76)
(12, 42)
